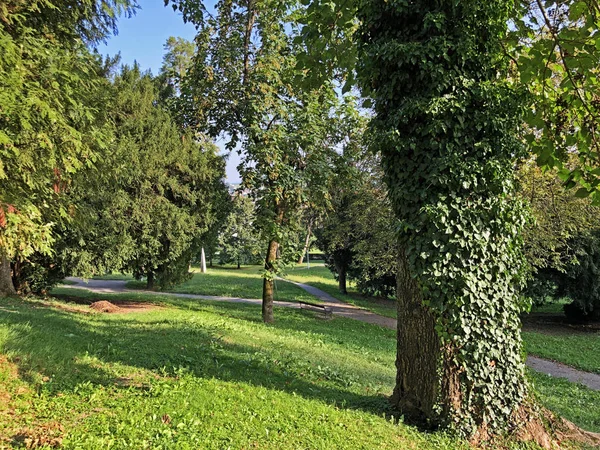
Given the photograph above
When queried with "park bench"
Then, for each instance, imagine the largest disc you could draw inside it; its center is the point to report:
(326, 310)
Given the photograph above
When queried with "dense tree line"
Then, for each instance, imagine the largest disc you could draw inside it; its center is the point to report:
(96, 173)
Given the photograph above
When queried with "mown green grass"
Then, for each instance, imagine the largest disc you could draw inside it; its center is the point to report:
(555, 306)
(197, 376)
(581, 350)
(114, 276)
(246, 282)
(572, 401)
(321, 277)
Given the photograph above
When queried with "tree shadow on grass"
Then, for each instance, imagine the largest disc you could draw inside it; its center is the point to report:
(64, 346)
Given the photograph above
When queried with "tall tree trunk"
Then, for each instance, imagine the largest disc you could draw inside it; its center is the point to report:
(6, 284)
(150, 280)
(202, 261)
(341, 271)
(306, 243)
(269, 283)
(238, 262)
(250, 19)
(418, 350)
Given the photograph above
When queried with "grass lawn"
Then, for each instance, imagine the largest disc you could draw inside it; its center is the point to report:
(114, 276)
(196, 375)
(554, 307)
(573, 401)
(321, 277)
(578, 350)
(208, 375)
(232, 282)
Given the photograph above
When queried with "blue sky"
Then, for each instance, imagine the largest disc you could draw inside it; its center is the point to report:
(141, 38)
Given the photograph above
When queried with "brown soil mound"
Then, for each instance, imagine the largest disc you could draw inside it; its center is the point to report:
(105, 307)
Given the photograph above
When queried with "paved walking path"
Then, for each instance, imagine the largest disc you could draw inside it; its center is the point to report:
(339, 308)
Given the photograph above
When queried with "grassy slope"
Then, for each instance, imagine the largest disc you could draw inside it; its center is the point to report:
(231, 282)
(320, 277)
(207, 375)
(196, 375)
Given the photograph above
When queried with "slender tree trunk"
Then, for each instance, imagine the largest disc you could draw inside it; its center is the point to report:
(418, 351)
(269, 283)
(250, 19)
(6, 284)
(341, 271)
(306, 243)
(238, 262)
(202, 261)
(342, 280)
(150, 280)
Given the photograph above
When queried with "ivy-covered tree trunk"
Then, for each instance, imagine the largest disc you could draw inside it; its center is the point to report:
(269, 282)
(446, 126)
(6, 285)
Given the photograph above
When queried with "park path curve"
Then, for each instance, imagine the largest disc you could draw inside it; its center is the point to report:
(342, 309)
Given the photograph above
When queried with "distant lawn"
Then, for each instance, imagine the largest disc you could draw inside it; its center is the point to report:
(553, 307)
(246, 282)
(114, 276)
(578, 350)
(321, 277)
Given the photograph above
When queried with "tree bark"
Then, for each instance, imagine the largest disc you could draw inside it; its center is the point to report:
(150, 280)
(418, 351)
(202, 261)
(6, 284)
(341, 271)
(269, 283)
(342, 280)
(250, 19)
(306, 243)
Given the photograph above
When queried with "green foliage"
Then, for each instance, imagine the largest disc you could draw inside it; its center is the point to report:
(245, 84)
(50, 123)
(358, 235)
(164, 192)
(446, 124)
(581, 280)
(173, 92)
(147, 201)
(239, 241)
(555, 46)
(554, 241)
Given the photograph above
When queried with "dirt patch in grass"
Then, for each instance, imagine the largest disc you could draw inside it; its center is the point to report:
(46, 435)
(104, 306)
(122, 307)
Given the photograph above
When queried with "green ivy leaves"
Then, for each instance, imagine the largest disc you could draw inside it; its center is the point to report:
(446, 127)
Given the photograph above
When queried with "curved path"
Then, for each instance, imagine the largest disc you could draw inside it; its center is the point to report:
(339, 308)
